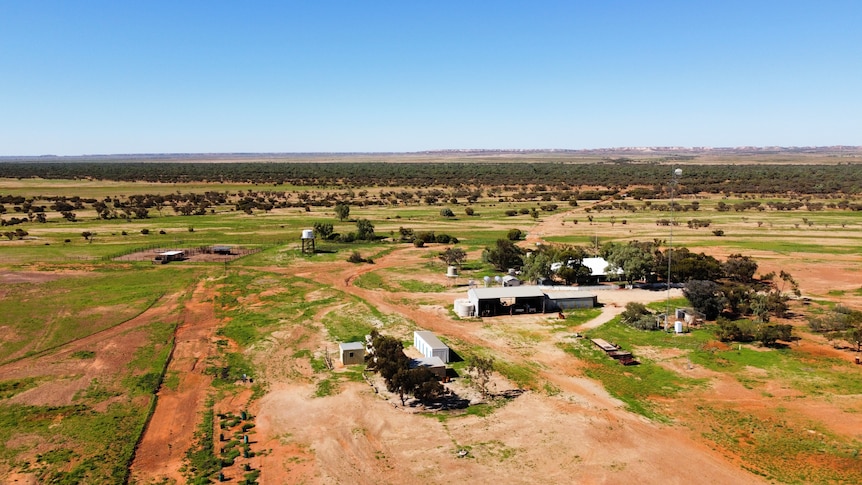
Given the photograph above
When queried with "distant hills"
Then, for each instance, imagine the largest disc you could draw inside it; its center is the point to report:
(645, 152)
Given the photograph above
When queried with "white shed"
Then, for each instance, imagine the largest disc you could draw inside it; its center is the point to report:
(430, 346)
(352, 353)
(510, 280)
(434, 364)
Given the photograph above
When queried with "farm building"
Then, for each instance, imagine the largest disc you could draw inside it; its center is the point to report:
(225, 250)
(352, 353)
(430, 346)
(489, 302)
(168, 256)
(434, 364)
(510, 280)
(568, 299)
(599, 269)
(689, 315)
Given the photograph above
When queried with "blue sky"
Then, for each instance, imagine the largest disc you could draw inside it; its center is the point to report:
(89, 77)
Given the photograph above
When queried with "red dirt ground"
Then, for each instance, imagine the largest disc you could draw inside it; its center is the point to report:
(171, 430)
(577, 433)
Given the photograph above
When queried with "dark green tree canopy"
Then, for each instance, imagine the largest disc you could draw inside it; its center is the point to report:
(453, 256)
(364, 230)
(739, 268)
(342, 211)
(705, 297)
(636, 260)
(505, 254)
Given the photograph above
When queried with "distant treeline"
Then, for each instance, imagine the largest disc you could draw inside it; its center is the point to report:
(727, 179)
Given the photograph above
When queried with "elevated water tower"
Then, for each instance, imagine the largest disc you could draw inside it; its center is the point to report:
(307, 241)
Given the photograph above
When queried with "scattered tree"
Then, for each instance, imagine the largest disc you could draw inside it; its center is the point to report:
(342, 211)
(634, 259)
(364, 230)
(323, 229)
(480, 369)
(536, 266)
(705, 297)
(740, 268)
(453, 256)
(504, 255)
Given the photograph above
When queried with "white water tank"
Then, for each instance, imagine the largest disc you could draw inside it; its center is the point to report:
(307, 234)
(677, 326)
(452, 271)
(463, 307)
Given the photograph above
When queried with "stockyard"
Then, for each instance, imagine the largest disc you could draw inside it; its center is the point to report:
(227, 361)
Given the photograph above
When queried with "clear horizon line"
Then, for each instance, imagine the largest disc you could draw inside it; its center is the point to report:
(456, 150)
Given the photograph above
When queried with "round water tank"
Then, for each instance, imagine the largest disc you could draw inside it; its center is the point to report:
(487, 280)
(452, 271)
(463, 307)
(307, 234)
(677, 326)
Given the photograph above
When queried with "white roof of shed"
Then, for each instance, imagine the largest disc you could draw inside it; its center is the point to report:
(431, 339)
(352, 346)
(427, 362)
(507, 292)
(568, 295)
(171, 253)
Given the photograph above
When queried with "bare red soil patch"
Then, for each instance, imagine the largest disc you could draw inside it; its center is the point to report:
(171, 430)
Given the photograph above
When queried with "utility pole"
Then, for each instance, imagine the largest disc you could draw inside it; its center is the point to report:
(673, 181)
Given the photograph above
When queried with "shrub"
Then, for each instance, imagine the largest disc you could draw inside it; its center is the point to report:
(447, 212)
(355, 257)
(426, 236)
(514, 234)
(443, 238)
(638, 316)
(145, 231)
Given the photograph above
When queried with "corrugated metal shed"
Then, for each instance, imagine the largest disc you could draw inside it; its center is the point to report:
(568, 295)
(507, 292)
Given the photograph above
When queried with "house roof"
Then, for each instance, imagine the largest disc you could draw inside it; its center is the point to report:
(431, 339)
(598, 266)
(352, 346)
(507, 292)
(171, 253)
(569, 295)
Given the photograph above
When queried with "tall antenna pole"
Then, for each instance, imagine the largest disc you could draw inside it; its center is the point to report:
(673, 181)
